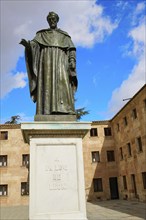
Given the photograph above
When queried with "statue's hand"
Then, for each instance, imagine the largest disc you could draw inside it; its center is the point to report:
(72, 65)
(24, 42)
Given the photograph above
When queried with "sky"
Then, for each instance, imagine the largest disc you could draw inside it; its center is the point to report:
(109, 36)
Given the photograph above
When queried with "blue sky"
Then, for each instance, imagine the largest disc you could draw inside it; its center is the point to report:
(110, 39)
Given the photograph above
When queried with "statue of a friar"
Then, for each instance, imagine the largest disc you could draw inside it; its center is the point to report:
(51, 67)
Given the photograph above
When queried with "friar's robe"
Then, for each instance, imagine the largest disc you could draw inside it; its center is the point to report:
(51, 81)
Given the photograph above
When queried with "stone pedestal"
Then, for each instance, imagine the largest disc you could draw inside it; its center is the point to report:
(56, 170)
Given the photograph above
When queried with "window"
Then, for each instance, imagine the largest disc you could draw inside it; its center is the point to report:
(133, 182)
(93, 132)
(110, 156)
(24, 189)
(3, 135)
(125, 121)
(139, 144)
(97, 184)
(144, 102)
(134, 113)
(129, 149)
(107, 132)
(121, 153)
(3, 160)
(144, 179)
(25, 159)
(118, 127)
(124, 182)
(95, 156)
(3, 190)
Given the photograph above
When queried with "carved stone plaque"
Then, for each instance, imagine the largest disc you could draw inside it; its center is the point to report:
(56, 177)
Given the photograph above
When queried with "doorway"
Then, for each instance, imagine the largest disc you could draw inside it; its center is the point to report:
(134, 185)
(114, 188)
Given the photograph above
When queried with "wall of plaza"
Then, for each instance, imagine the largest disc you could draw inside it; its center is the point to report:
(120, 144)
(13, 171)
(98, 167)
(114, 153)
(129, 132)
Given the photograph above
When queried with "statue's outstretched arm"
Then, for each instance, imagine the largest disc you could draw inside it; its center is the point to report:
(24, 42)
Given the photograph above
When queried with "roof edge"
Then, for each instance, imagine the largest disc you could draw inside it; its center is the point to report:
(10, 126)
(142, 88)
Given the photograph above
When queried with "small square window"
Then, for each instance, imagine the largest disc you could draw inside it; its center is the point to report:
(129, 149)
(3, 135)
(139, 144)
(3, 190)
(24, 189)
(3, 160)
(97, 184)
(93, 132)
(125, 121)
(134, 113)
(107, 131)
(25, 159)
(95, 156)
(110, 156)
(144, 179)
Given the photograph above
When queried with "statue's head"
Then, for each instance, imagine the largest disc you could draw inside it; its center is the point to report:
(52, 19)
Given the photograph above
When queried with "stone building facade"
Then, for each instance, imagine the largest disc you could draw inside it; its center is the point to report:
(13, 172)
(129, 132)
(114, 153)
(100, 161)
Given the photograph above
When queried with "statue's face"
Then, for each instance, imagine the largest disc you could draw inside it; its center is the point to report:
(53, 22)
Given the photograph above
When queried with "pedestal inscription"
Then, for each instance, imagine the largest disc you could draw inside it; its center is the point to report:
(56, 175)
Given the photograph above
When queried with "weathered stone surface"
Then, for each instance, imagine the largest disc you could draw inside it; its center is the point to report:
(55, 118)
(54, 129)
(57, 188)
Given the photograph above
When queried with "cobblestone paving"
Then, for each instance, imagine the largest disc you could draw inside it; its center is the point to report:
(101, 210)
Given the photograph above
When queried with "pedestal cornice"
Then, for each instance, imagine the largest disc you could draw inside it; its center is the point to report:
(54, 129)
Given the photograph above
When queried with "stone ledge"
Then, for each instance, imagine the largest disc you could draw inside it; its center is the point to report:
(54, 129)
(48, 118)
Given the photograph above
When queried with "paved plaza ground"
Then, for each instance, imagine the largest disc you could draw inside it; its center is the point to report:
(100, 210)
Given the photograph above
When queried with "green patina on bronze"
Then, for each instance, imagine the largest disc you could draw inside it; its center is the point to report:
(51, 67)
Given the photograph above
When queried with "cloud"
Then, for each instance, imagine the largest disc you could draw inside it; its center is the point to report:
(85, 104)
(85, 22)
(89, 25)
(140, 7)
(25, 118)
(138, 13)
(11, 82)
(138, 36)
(94, 81)
(121, 4)
(137, 77)
(128, 88)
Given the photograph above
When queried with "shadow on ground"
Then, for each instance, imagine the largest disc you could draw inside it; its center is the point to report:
(131, 208)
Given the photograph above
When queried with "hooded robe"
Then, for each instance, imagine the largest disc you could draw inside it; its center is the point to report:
(51, 81)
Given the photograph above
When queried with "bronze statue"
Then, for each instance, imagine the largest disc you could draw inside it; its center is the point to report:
(51, 67)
